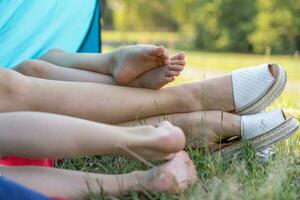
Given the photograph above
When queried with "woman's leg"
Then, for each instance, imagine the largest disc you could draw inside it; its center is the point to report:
(43, 135)
(107, 103)
(201, 128)
(123, 64)
(76, 185)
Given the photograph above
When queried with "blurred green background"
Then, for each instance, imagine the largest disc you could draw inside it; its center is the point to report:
(252, 26)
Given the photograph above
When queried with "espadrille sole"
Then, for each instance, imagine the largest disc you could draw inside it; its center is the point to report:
(266, 99)
(264, 140)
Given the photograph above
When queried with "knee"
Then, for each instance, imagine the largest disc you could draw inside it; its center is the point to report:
(55, 50)
(51, 53)
(35, 68)
(13, 87)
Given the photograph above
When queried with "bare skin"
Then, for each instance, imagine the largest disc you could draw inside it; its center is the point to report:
(55, 136)
(202, 128)
(153, 79)
(171, 177)
(159, 77)
(99, 102)
(124, 64)
(111, 104)
(131, 61)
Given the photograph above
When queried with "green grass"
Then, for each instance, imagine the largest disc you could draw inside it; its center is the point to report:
(239, 178)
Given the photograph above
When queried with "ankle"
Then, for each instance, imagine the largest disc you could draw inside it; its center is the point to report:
(112, 60)
(231, 125)
(185, 98)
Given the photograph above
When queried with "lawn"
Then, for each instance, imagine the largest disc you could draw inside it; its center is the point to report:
(239, 178)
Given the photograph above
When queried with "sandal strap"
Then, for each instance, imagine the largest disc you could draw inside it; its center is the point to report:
(250, 84)
(254, 125)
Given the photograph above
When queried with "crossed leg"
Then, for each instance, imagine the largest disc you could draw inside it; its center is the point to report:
(107, 103)
(153, 79)
(114, 104)
(123, 64)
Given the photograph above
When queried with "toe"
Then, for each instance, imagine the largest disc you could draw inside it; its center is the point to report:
(274, 69)
(158, 51)
(179, 56)
(165, 54)
(169, 79)
(161, 60)
(165, 57)
(175, 67)
(172, 73)
(165, 61)
(177, 62)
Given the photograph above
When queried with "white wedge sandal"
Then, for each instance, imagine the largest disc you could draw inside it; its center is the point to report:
(262, 130)
(254, 88)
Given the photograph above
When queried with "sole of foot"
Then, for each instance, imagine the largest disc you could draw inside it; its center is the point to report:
(174, 176)
(132, 61)
(160, 76)
(160, 143)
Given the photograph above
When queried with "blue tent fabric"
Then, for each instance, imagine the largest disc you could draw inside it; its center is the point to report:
(28, 29)
(92, 41)
(9, 190)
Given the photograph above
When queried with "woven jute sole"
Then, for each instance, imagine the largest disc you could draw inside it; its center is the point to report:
(274, 92)
(264, 140)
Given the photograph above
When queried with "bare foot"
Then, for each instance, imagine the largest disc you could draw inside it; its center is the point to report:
(172, 177)
(132, 61)
(158, 77)
(159, 143)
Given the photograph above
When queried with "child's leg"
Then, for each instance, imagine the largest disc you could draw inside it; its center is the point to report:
(153, 79)
(124, 64)
(42, 135)
(172, 177)
(46, 70)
